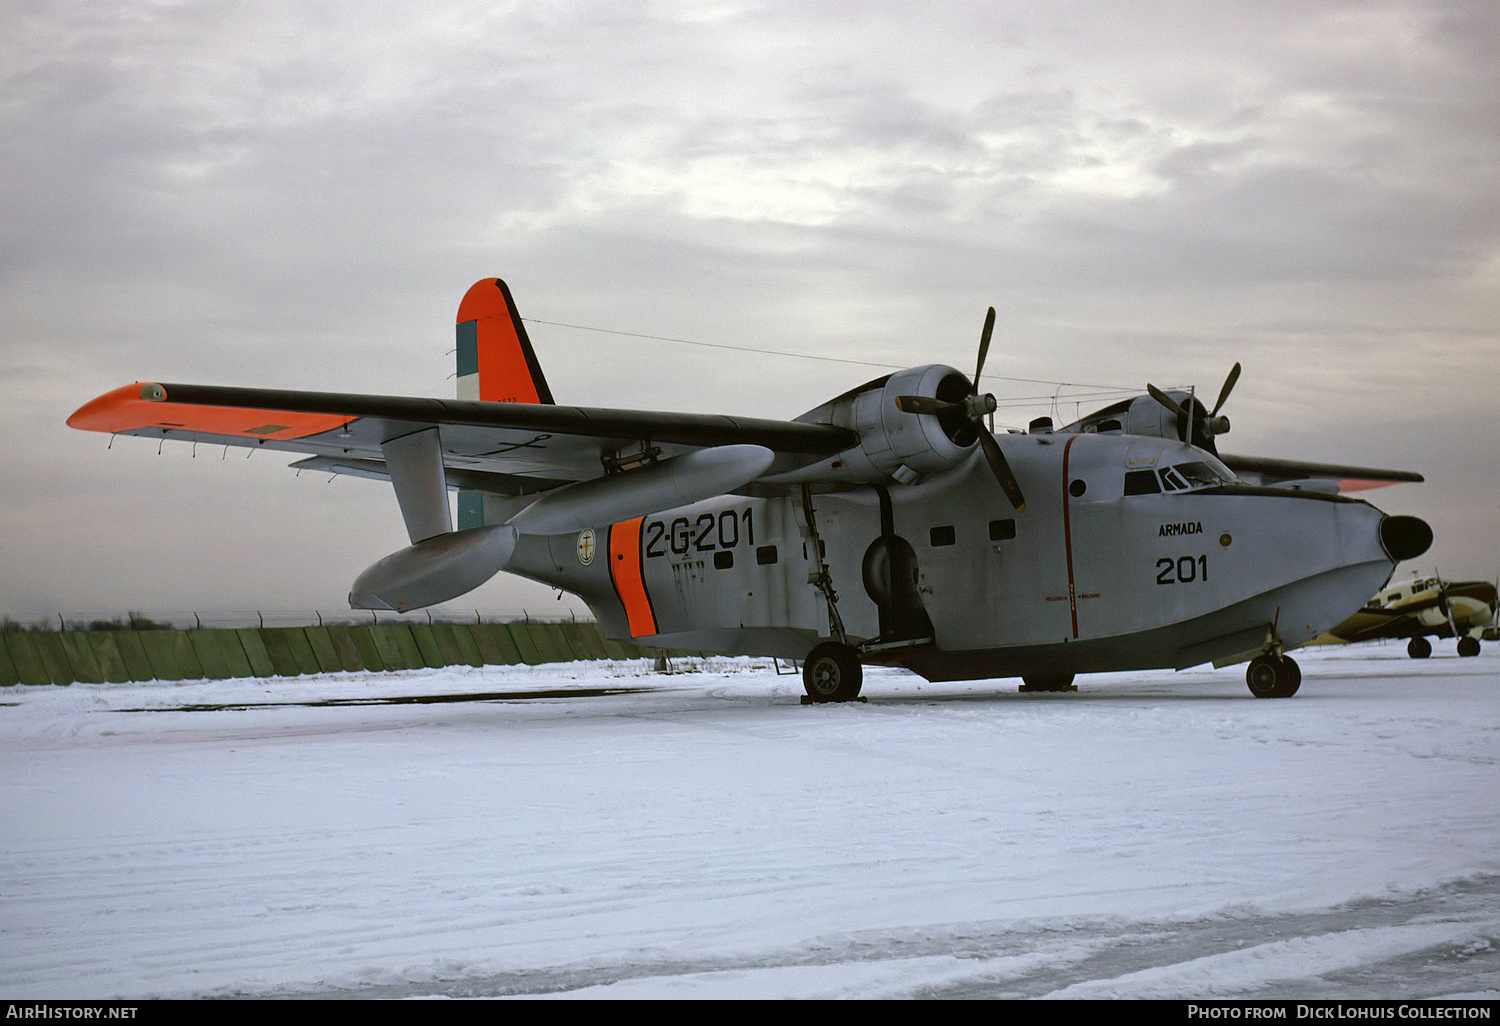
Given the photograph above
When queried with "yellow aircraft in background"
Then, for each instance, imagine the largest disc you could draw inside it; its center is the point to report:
(1420, 608)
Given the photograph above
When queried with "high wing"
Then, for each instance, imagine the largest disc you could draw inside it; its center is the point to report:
(505, 448)
(521, 463)
(1268, 472)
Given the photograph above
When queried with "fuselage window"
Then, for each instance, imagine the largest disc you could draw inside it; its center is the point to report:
(1141, 482)
(723, 559)
(939, 536)
(765, 555)
(1002, 530)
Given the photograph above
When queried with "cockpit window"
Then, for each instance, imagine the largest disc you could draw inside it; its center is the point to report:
(1180, 478)
(1199, 475)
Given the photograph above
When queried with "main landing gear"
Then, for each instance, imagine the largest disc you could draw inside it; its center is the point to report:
(1420, 648)
(832, 673)
(1273, 676)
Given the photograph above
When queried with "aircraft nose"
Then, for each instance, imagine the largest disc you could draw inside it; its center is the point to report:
(1404, 537)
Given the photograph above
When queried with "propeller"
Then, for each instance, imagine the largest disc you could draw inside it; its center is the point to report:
(1444, 606)
(973, 408)
(1194, 426)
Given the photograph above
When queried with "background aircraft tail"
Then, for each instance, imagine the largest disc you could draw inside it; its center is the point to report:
(495, 364)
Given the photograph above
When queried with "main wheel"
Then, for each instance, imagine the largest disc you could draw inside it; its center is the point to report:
(1271, 676)
(1419, 648)
(1468, 645)
(832, 673)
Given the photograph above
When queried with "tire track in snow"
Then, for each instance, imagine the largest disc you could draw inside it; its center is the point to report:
(1440, 943)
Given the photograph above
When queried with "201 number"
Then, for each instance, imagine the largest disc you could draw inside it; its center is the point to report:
(1181, 570)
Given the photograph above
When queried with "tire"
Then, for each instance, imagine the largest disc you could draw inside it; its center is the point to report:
(1419, 648)
(832, 673)
(1271, 676)
(1468, 645)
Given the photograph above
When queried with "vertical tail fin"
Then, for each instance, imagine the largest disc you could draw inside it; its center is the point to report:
(495, 364)
(495, 359)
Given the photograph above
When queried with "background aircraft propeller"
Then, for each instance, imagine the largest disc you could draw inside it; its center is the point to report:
(1195, 425)
(973, 408)
(1447, 610)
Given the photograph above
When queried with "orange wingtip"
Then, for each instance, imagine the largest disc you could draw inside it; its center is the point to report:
(145, 405)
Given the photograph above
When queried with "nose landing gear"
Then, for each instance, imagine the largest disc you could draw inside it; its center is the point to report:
(1273, 676)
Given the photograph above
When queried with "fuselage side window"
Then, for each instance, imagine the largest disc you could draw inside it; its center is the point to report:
(1141, 482)
(1002, 530)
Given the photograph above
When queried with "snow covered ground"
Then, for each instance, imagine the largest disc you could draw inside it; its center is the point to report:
(597, 830)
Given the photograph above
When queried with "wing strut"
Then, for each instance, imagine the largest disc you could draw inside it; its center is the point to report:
(415, 462)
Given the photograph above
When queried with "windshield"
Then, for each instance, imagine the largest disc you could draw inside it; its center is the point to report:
(1199, 474)
(1180, 478)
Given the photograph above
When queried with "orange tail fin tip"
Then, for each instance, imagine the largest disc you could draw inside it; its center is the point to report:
(495, 360)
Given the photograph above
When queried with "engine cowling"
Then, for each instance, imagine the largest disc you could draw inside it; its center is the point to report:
(893, 445)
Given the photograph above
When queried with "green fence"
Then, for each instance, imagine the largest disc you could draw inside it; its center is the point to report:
(117, 656)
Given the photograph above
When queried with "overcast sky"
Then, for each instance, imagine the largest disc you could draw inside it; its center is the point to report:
(297, 195)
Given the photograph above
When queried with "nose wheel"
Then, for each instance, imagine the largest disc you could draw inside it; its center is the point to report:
(832, 673)
(1272, 676)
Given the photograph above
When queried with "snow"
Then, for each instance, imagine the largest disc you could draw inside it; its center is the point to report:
(702, 834)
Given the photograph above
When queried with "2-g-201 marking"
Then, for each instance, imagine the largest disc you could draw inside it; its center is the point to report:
(706, 533)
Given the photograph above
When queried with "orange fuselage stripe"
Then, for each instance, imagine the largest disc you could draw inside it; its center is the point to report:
(125, 410)
(626, 573)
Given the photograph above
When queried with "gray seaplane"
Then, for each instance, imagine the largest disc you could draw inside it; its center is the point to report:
(887, 526)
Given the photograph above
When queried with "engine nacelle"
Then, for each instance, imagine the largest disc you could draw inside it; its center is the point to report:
(894, 445)
(1143, 415)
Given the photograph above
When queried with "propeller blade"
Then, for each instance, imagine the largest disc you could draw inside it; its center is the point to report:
(922, 404)
(1001, 468)
(1444, 606)
(1234, 375)
(984, 345)
(1184, 418)
(1165, 400)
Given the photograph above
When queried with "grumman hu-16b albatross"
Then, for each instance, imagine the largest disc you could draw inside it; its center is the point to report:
(888, 525)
